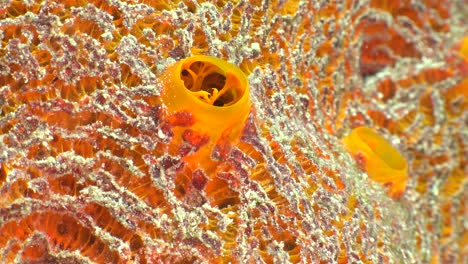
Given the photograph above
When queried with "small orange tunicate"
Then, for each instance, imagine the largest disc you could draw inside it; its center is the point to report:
(463, 49)
(215, 94)
(382, 162)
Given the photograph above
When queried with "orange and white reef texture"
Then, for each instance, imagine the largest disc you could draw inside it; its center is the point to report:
(119, 145)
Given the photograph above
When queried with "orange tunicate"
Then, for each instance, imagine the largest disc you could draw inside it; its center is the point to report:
(382, 162)
(215, 94)
(464, 48)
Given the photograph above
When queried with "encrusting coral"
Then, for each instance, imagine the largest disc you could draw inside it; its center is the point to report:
(128, 134)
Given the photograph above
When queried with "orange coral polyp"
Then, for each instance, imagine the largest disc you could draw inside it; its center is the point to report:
(382, 162)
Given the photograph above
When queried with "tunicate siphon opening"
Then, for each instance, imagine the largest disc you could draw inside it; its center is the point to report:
(382, 149)
(212, 92)
(210, 84)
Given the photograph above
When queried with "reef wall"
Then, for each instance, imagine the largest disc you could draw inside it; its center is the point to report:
(95, 167)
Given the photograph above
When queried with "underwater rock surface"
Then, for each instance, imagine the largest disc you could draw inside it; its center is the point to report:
(96, 168)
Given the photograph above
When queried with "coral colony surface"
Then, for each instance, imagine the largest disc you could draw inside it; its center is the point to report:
(260, 131)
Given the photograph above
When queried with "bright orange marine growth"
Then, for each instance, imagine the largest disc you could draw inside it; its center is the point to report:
(208, 99)
(382, 162)
(463, 50)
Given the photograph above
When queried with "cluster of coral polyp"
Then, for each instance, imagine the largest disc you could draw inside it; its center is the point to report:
(93, 165)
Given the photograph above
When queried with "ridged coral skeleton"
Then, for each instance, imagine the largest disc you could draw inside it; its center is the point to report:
(92, 166)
